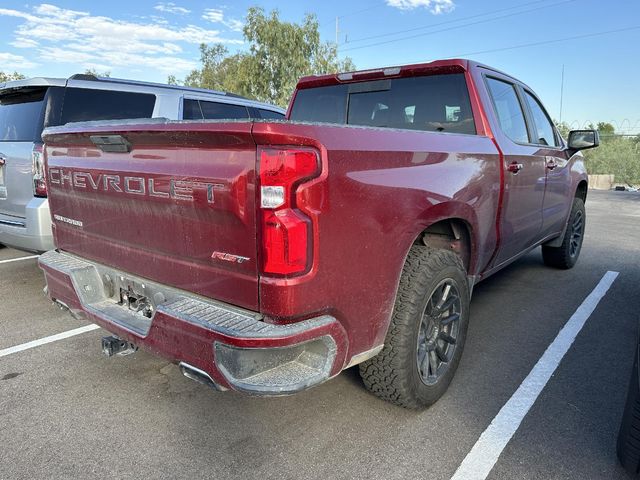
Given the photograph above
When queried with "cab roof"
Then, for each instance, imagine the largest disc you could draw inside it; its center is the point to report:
(454, 65)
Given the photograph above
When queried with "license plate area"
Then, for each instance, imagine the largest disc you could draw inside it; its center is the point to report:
(129, 301)
(136, 302)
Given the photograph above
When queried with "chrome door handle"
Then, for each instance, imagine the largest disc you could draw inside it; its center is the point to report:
(515, 167)
(551, 163)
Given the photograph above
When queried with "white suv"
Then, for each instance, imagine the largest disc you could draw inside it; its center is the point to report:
(28, 106)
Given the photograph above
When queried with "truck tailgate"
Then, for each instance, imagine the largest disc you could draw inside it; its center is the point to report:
(178, 207)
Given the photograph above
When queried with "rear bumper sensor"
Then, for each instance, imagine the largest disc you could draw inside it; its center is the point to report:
(217, 344)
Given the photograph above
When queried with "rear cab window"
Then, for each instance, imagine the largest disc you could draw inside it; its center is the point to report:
(21, 114)
(434, 103)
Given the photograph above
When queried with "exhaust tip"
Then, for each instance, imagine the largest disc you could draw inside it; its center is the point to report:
(199, 376)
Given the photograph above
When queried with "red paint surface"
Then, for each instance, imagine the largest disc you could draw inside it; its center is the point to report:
(379, 189)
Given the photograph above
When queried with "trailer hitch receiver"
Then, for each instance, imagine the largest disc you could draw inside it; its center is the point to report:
(116, 346)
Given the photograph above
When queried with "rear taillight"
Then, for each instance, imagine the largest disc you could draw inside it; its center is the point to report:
(37, 168)
(287, 232)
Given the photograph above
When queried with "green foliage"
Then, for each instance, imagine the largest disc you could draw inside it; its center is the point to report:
(563, 128)
(279, 53)
(95, 73)
(605, 128)
(616, 155)
(8, 77)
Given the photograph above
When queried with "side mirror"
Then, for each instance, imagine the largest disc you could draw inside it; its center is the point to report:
(583, 139)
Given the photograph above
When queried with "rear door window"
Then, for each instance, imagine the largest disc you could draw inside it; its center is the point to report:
(191, 110)
(271, 114)
(21, 115)
(204, 110)
(223, 111)
(435, 103)
(508, 110)
(84, 104)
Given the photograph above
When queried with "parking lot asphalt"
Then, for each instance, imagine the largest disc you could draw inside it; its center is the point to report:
(68, 412)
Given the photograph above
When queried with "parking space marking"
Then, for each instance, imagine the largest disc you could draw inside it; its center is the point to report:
(485, 453)
(45, 340)
(19, 258)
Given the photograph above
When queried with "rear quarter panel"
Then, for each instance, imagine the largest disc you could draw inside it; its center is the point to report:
(379, 190)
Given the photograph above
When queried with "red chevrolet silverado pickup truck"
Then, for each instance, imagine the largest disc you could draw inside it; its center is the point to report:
(268, 256)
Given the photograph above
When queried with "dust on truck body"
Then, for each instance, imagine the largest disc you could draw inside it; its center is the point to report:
(268, 256)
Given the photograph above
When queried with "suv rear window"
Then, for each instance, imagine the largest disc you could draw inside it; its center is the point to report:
(84, 104)
(436, 103)
(21, 115)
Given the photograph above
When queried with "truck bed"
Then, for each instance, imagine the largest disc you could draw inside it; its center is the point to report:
(374, 184)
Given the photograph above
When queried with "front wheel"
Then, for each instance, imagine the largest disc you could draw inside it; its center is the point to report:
(427, 332)
(566, 255)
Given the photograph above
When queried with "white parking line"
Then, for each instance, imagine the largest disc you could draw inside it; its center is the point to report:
(484, 454)
(19, 258)
(45, 340)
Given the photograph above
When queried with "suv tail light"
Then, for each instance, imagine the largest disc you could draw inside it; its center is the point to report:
(287, 233)
(37, 168)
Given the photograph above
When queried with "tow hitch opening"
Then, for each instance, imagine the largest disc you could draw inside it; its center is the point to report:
(116, 346)
(135, 302)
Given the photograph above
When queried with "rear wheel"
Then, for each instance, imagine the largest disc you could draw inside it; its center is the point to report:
(427, 331)
(629, 435)
(566, 255)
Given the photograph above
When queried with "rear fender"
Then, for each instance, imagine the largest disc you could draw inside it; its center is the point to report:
(434, 214)
(450, 211)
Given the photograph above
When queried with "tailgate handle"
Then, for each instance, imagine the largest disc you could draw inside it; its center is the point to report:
(111, 143)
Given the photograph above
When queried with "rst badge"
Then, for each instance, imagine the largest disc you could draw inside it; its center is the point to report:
(228, 257)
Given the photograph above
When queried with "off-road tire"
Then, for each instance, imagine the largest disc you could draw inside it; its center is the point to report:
(564, 257)
(393, 374)
(629, 434)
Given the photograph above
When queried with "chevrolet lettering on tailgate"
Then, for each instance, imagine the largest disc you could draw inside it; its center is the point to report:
(175, 189)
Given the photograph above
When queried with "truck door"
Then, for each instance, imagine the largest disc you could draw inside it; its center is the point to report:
(524, 171)
(551, 151)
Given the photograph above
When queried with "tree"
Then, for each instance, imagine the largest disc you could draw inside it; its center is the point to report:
(606, 131)
(605, 128)
(563, 128)
(279, 54)
(219, 70)
(8, 77)
(618, 156)
(95, 73)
